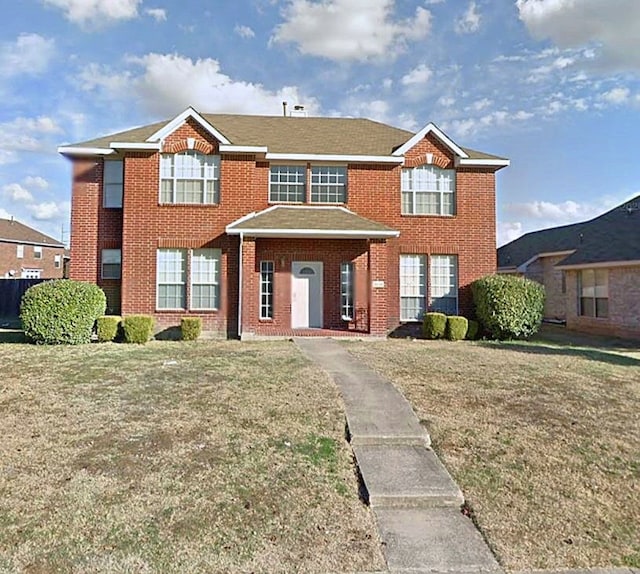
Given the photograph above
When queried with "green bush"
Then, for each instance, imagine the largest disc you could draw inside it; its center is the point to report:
(191, 328)
(473, 330)
(137, 328)
(107, 327)
(61, 312)
(456, 328)
(434, 325)
(508, 307)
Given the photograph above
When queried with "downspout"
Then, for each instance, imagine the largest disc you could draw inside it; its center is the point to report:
(240, 266)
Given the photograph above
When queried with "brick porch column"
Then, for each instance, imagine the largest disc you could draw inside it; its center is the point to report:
(378, 287)
(249, 286)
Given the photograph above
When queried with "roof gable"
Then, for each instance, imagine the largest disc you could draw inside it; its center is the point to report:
(176, 122)
(428, 129)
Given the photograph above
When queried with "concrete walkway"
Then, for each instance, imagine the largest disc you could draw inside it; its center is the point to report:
(415, 501)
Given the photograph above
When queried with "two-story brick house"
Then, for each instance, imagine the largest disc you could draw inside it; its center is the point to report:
(266, 225)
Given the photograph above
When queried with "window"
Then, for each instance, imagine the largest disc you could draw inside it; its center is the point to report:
(57, 261)
(287, 183)
(19, 251)
(113, 181)
(346, 291)
(593, 293)
(171, 275)
(444, 284)
(31, 273)
(189, 177)
(266, 289)
(412, 287)
(111, 263)
(205, 272)
(37, 252)
(428, 190)
(328, 184)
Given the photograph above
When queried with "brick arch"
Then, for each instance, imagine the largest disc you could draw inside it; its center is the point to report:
(440, 161)
(183, 145)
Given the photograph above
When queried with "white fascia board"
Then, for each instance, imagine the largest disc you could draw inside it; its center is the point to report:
(176, 122)
(18, 242)
(336, 158)
(600, 265)
(431, 128)
(229, 148)
(484, 162)
(72, 150)
(313, 233)
(556, 253)
(134, 146)
(522, 268)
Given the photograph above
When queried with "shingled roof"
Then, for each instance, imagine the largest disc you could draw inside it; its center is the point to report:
(612, 237)
(15, 232)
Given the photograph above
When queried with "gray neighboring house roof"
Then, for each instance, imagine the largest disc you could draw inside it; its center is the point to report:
(11, 230)
(612, 237)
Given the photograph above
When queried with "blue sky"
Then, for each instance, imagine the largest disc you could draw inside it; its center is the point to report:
(554, 85)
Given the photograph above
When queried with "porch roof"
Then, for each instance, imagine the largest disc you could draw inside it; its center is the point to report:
(329, 222)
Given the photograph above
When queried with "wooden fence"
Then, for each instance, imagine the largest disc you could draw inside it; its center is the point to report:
(11, 292)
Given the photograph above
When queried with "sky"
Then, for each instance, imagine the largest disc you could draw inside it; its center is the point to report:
(553, 85)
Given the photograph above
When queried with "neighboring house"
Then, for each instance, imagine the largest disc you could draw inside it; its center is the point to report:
(267, 225)
(28, 254)
(590, 270)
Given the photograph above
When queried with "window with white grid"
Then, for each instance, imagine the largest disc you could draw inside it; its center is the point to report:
(428, 190)
(413, 287)
(266, 289)
(205, 274)
(172, 278)
(346, 291)
(287, 183)
(328, 184)
(443, 280)
(112, 183)
(111, 263)
(189, 177)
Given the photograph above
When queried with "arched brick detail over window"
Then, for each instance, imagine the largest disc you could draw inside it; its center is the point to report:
(438, 160)
(183, 145)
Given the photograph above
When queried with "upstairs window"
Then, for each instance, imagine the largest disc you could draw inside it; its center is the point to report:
(19, 251)
(190, 177)
(113, 182)
(323, 184)
(287, 183)
(328, 184)
(37, 252)
(428, 190)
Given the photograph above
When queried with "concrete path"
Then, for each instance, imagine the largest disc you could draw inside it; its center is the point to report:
(415, 501)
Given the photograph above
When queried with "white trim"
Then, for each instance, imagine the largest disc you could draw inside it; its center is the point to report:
(522, 268)
(480, 162)
(176, 122)
(554, 253)
(230, 148)
(600, 265)
(55, 245)
(73, 150)
(133, 145)
(240, 274)
(337, 158)
(431, 128)
(313, 233)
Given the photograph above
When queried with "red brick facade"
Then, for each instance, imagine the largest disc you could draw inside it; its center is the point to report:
(143, 226)
(49, 264)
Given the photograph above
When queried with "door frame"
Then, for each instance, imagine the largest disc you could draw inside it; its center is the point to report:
(318, 267)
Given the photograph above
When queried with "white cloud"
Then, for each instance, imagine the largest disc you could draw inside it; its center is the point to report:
(508, 231)
(446, 101)
(48, 210)
(469, 22)
(612, 25)
(16, 193)
(4, 214)
(96, 11)
(616, 96)
(26, 134)
(159, 14)
(244, 31)
(465, 127)
(349, 30)
(481, 104)
(36, 182)
(166, 84)
(29, 54)
(556, 213)
(418, 76)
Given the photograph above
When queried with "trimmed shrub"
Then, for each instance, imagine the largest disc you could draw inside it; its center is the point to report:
(456, 328)
(191, 328)
(137, 328)
(508, 307)
(434, 325)
(107, 327)
(61, 312)
(473, 330)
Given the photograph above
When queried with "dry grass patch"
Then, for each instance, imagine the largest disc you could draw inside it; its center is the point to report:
(543, 439)
(176, 457)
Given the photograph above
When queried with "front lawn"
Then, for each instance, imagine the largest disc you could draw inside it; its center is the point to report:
(176, 457)
(542, 437)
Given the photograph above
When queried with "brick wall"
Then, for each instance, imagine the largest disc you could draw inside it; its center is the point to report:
(543, 271)
(9, 260)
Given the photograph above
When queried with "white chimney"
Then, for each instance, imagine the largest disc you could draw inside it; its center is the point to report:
(298, 112)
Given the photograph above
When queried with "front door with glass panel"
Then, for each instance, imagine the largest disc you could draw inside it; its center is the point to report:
(306, 294)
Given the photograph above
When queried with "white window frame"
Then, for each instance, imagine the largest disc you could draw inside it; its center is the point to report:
(293, 178)
(347, 291)
(37, 252)
(443, 284)
(593, 284)
(111, 258)
(112, 183)
(413, 286)
(203, 277)
(427, 180)
(179, 257)
(267, 274)
(57, 261)
(328, 184)
(173, 169)
(20, 251)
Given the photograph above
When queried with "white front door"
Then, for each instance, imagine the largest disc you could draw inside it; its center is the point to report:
(306, 294)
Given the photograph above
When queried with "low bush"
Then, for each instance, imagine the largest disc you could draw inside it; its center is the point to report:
(434, 325)
(61, 312)
(473, 330)
(191, 327)
(107, 327)
(137, 328)
(456, 328)
(508, 307)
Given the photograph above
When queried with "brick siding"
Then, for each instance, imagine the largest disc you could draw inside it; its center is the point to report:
(9, 260)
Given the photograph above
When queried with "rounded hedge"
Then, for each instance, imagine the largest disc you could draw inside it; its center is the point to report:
(61, 312)
(434, 325)
(508, 307)
(138, 328)
(107, 327)
(191, 328)
(456, 329)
